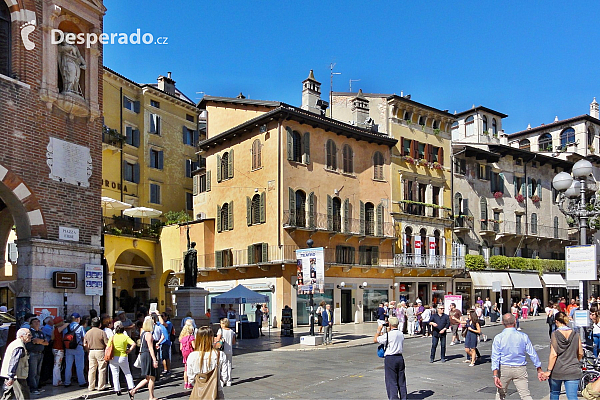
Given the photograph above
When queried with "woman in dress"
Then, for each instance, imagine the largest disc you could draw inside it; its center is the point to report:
(148, 360)
(228, 337)
(473, 329)
(122, 345)
(186, 345)
(206, 359)
(319, 312)
(565, 353)
(401, 315)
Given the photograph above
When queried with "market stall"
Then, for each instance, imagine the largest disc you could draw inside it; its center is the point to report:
(237, 296)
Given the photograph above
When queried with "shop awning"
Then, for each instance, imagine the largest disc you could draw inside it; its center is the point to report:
(554, 281)
(483, 280)
(572, 284)
(523, 281)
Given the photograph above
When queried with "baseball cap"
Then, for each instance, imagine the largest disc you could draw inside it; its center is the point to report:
(75, 315)
(419, 301)
(3, 309)
(120, 312)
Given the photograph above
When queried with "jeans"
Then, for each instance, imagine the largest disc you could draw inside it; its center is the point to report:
(35, 369)
(327, 333)
(596, 338)
(74, 356)
(570, 388)
(59, 355)
(434, 343)
(395, 378)
(123, 364)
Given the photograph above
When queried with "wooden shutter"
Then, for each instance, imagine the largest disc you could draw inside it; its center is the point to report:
(406, 193)
(196, 184)
(457, 205)
(346, 216)
(219, 259)
(362, 218)
(414, 147)
(441, 156)
(208, 174)
(529, 187)
(465, 206)
(523, 186)
(248, 211)
(362, 255)
(428, 152)
(488, 172)
(379, 220)
(219, 170)
(196, 138)
(539, 189)
(290, 144)
(251, 257)
(329, 213)
(219, 225)
(160, 159)
(230, 164)
(515, 185)
(185, 131)
(188, 168)
(136, 138)
(292, 203)
(311, 210)
(307, 148)
(265, 252)
(402, 146)
(375, 255)
(230, 215)
(136, 173)
(263, 214)
(501, 182)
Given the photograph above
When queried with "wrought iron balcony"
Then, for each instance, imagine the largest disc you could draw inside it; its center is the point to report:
(429, 261)
(336, 223)
(422, 209)
(124, 226)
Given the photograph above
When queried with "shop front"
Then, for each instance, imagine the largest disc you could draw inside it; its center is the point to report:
(484, 280)
(429, 291)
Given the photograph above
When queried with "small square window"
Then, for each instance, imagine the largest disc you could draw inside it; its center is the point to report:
(189, 117)
(154, 103)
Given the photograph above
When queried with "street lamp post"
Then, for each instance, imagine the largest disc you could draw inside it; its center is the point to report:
(572, 190)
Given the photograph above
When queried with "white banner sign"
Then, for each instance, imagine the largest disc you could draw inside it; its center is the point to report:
(94, 280)
(581, 263)
(310, 270)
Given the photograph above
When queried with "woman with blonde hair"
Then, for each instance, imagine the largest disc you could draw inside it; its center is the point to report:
(227, 336)
(149, 362)
(205, 359)
(186, 345)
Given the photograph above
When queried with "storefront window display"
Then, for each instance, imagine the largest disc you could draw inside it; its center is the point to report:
(464, 289)
(438, 291)
(371, 300)
(303, 306)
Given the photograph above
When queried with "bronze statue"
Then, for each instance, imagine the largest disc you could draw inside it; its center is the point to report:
(190, 264)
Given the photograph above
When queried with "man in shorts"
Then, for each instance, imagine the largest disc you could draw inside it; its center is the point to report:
(455, 315)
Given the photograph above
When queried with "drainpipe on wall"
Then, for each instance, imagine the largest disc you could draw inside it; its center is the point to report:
(121, 132)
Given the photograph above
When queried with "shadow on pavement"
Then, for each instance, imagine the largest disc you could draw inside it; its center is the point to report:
(420, 394)
(253, 379)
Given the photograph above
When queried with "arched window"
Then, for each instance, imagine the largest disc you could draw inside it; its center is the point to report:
(567, 136)
(370, 219)
(494, 127)
(438, 242)
(407, 116)
(484, 213)
(256, 154)
(469, 126)
(590, 136)
(534, 223)
(545, 142)
(435, 124)
(408, 247)
(300, 208)
(424, 243)
(378, 166)
(422, 120)
(485, 124)
(348, 159)
(331, 155)
(255, 209)
(225, 217)
(337, 214)
(296, 146)
(225, 166)
(458, 210)
(5, 39)
(525, 144)
(454, 125)
(555, 227)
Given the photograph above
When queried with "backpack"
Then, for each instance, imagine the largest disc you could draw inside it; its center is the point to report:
(550, 319)
(70, 339)
(172, 335)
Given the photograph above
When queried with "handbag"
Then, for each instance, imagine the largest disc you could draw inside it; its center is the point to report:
(382, 348)
(109, 351)
(206, 384)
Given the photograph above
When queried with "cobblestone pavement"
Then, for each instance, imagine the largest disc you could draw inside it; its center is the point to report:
(343, 372)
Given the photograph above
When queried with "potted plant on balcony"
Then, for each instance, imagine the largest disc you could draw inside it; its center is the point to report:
(423, 162)
(436, 131)
(423, 127)
(498, 195)
(591, 149)
(409, 159)
(436, 165)
(535, 198)
(520, 198)
(486, 133)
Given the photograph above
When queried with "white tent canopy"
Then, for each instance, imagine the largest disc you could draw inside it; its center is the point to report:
(240, 295)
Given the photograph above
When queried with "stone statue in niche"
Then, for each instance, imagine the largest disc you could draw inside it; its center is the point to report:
(190, 264)
(70, 64)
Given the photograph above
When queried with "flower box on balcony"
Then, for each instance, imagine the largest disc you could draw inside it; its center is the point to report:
(409, 160)
(520, 198)
(422, 161)
(535, 198)
(436, 165)
(498, 195)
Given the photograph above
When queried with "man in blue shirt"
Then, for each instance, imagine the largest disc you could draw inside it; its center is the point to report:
(381, 315)
(165, 343)
(509, 362)
(440, 323)
(76, 355)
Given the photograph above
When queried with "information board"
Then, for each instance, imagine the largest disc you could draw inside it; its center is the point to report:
(581, 263)
(94, 280)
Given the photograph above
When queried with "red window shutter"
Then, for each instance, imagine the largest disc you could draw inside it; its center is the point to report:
(441, 155)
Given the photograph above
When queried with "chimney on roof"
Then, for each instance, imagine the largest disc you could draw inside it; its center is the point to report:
(240, 96)
(166, 84)
(360, 110)
(311, 95)
(556, 119)
(594, 109)
(528, 126)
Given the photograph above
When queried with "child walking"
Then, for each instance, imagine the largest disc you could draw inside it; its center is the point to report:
(228, 337)
(186, 345)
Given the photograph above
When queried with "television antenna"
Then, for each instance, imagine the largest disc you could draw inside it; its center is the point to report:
(331, 66)
(353, 80)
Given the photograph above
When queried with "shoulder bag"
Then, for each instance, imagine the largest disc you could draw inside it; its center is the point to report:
(206, 385)
(109, 351)
(382, 347)
(138, 361)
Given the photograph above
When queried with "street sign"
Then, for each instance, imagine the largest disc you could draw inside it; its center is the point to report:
(581, 263)
(94, 280)
(581, 318)
(496, 286)
(64, 280)
(500, 300)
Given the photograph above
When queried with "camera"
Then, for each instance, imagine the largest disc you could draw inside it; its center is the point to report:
(386, 324)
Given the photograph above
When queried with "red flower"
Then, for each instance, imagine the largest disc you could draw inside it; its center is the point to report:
(498, 195)
(520, 198)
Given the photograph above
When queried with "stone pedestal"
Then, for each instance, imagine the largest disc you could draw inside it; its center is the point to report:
(311, 340)
(191, 299)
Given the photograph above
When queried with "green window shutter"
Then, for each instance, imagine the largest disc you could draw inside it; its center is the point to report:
(251, 254)
(362, 218)
(290, 144)
(501, 181)
(515, 185)
(375, 255)
(539, 189)
(265, 252)
(263, 215)
(208, 181)
(230, 215)
(347, 215)
(352, 255)
(219, 177)
(219, 227)
(292, 201)
(136, 173)
(362, 255)
(230, 164)
(161, 159)
(529, 187)
(329, 213)
(379, 220)
(488, 172)
(307, 148)
(493, 183)
(219, 258)
(311, 210)
(248, 211)
(465, 206)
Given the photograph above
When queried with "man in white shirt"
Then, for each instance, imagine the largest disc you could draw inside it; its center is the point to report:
(393, 340)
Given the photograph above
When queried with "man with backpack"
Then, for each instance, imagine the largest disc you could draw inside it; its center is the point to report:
(73, 341)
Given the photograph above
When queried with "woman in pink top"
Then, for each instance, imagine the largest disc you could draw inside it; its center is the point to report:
(186, 345)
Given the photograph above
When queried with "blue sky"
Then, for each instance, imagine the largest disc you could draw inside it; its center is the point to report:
(530, 60)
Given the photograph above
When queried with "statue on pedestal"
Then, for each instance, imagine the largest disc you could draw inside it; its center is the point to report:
(190, 264)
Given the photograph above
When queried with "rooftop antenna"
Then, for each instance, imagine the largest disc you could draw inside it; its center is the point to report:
(353, 80)
(331, 66)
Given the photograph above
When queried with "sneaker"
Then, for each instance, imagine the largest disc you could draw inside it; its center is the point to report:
(518, 329)
(452, 343)
(471, 365)
(467, 361)
(41, 390)
(431, 361)
(228, 383)
(443, 360)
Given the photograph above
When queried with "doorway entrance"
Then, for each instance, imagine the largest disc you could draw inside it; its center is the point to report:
(423, 293)
(346, 306)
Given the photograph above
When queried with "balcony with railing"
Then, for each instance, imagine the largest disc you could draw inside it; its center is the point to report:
(463, 223)
(124, 226)
(112, 137)
(507, 228)
(422, 209)
(429, 261)
(336, 223)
